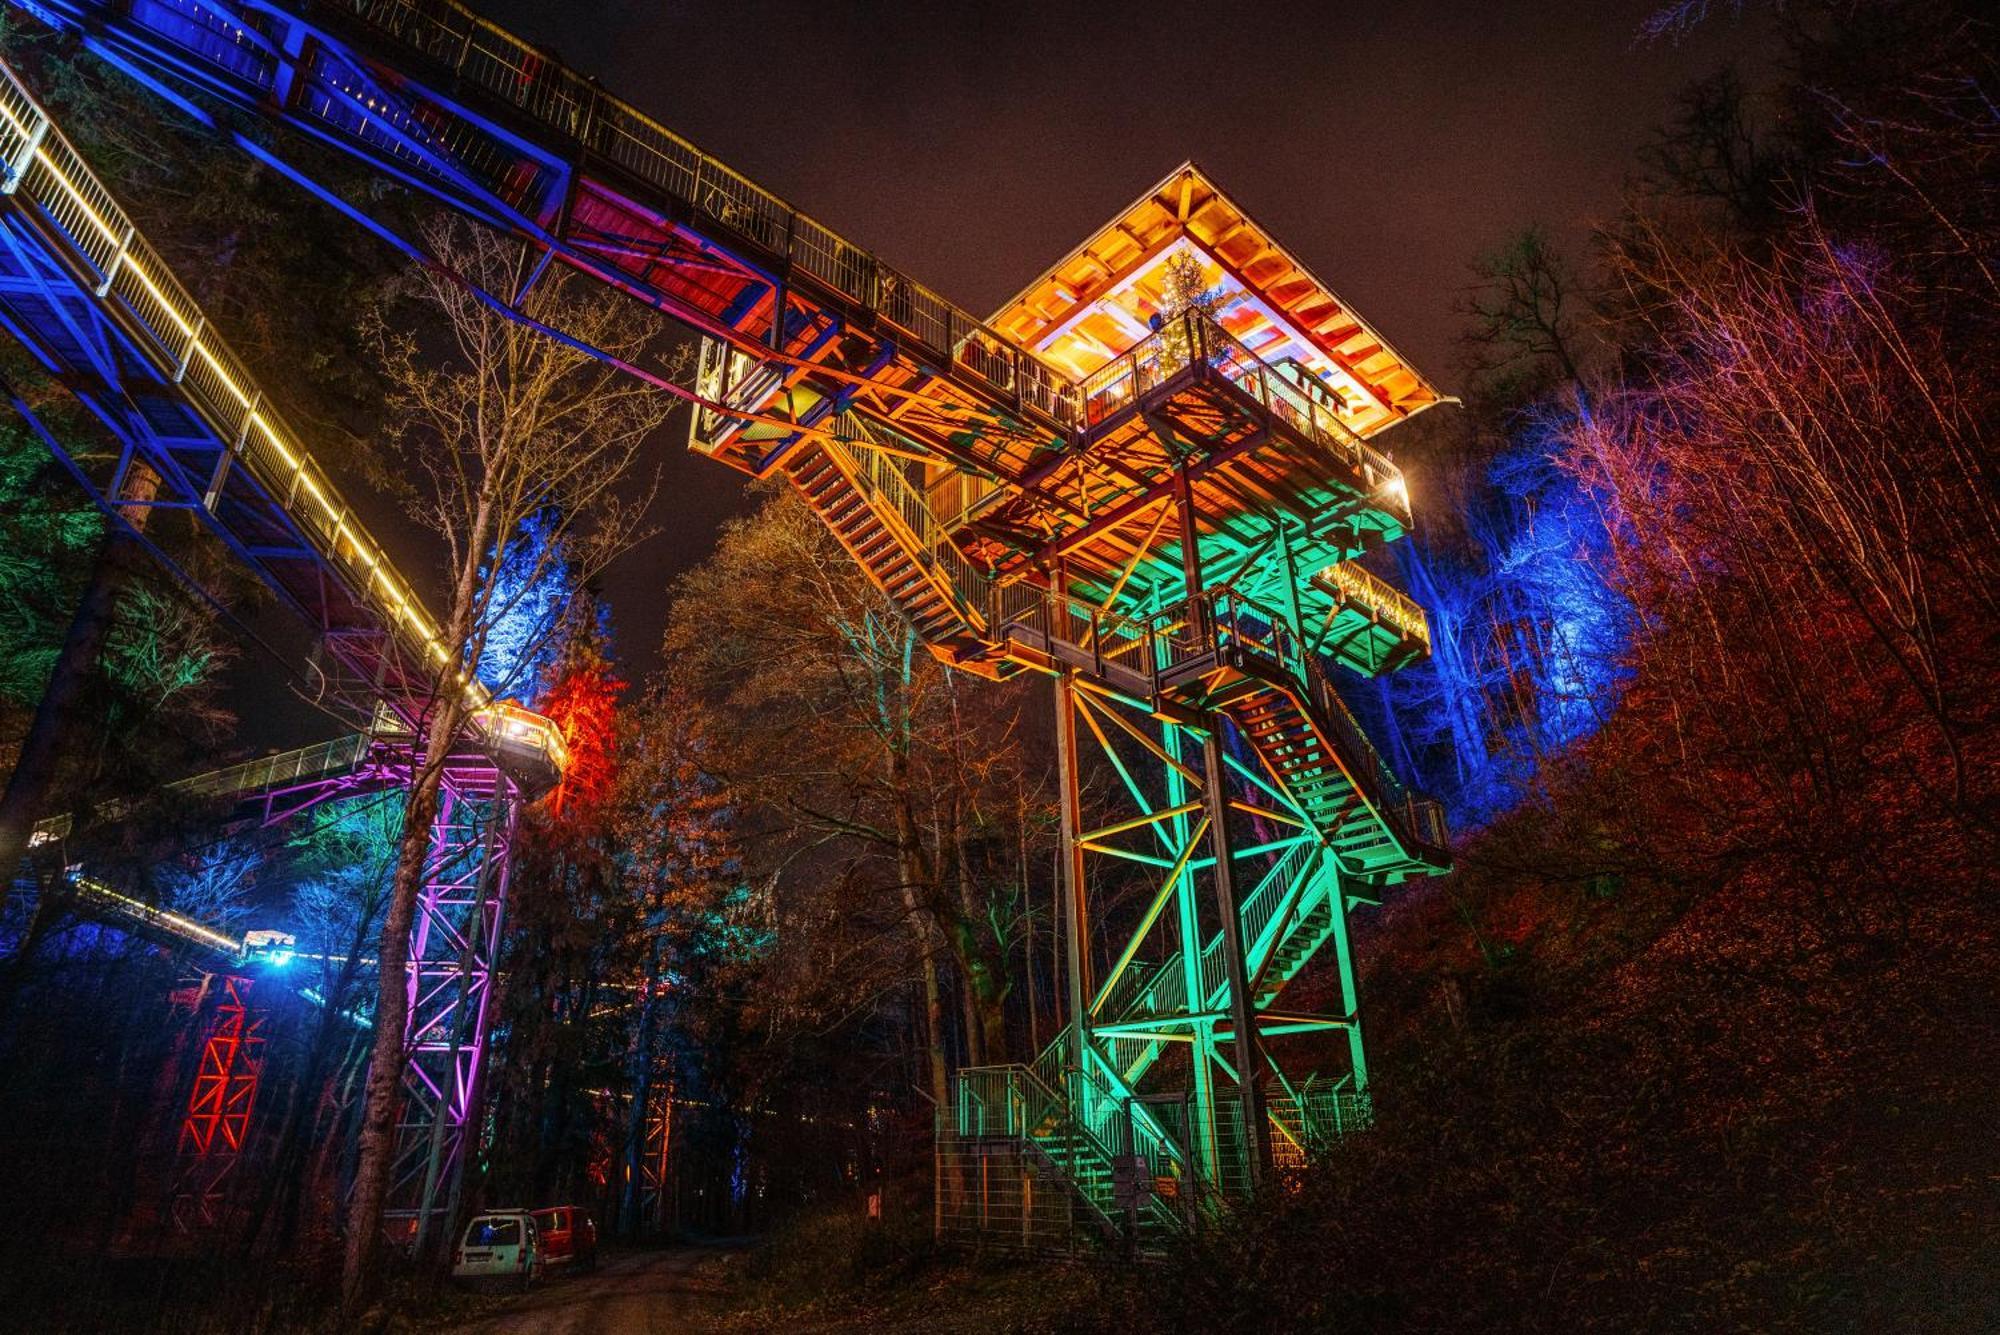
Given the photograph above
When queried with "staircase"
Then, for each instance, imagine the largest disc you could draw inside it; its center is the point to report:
(1071, 1129)
(1287, 917)
(1295, 736)
(880, 517)
(1218, 652)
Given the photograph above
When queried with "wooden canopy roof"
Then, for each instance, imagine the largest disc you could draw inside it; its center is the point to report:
(1096, 302)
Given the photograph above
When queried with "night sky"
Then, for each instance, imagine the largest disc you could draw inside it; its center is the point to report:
(972, 146)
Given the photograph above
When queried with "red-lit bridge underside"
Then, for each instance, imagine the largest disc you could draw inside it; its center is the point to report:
(459, 109)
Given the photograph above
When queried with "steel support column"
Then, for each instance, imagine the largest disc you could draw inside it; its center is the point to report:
(1076, 912)
(453, 949)
(1350, 992)
(1242, 1008)
(216, 1128)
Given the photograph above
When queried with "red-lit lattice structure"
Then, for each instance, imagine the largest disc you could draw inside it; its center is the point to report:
(215, 1130)
(1149, 478)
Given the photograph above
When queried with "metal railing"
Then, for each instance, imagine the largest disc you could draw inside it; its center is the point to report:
(522, 733)
(267, 774)
(46, 173)
(955, 497)
(882, 474)
(1015, 1101)
(1260, 909)
(1239, 621)
(1357, 585)
(1106, 639)
(104, 901)
(1194, 633)
(307, 763)
(1194, 342)
(485, 56)
(1315, 1119)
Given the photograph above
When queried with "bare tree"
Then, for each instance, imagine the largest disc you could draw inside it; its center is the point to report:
(510, 426)
(1524, 331)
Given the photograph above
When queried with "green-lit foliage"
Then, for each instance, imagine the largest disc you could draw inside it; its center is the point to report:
(47, 535)
(341, 855)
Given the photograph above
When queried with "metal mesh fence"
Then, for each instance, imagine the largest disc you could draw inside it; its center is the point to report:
(1000, 1195)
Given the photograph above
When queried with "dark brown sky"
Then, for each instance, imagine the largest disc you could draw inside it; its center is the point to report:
(972, 145)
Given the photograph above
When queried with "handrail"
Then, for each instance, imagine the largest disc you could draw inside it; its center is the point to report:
(267, 772)
(1359, 585)
(42, 167)
(879, 471)
(1260, 910)
(1162, 987)
(1265, 633)
(151, 915)
(307, 762)
(486, 56)
(1150, 1138)
(1193, 631)
(1193, 339)
(483, 56)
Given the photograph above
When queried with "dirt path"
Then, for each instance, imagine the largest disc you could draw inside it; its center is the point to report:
(644, 1293)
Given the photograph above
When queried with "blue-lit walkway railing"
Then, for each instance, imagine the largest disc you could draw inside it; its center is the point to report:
(49, 186)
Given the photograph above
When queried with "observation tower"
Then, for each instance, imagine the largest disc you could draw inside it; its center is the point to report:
(1153, 478)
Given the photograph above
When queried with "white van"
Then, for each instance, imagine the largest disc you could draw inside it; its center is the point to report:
(500, 1245)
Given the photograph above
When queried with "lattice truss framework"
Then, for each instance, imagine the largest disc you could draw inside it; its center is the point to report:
(83, 292)
(215, 1130)
(454, 946)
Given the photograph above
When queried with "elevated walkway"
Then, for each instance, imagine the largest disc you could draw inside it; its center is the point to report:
(85, 294)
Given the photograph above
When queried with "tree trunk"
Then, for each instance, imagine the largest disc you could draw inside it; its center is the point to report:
(382, 1095)
(636, 1148)
(987, 978)
(940, 1065)
(283, 1183)
(58, 717)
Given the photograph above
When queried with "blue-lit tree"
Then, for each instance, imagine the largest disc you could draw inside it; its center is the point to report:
(1528, 630)
(531, 589)
(1527, 635)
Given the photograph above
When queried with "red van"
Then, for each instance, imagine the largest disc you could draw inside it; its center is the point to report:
(569, 1237)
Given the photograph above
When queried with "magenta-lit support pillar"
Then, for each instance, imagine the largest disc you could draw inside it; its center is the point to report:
(453, 954)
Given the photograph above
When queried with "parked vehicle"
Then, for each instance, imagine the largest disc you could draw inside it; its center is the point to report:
(569, 1236)
(501, 1245)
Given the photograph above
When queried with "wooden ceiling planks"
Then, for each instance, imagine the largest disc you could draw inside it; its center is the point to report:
(1188, 203)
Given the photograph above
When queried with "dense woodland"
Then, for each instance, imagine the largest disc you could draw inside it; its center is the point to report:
(1701, 1033)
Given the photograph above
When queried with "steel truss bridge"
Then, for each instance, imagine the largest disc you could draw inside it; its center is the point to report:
(85, 294)
(1158, 504)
